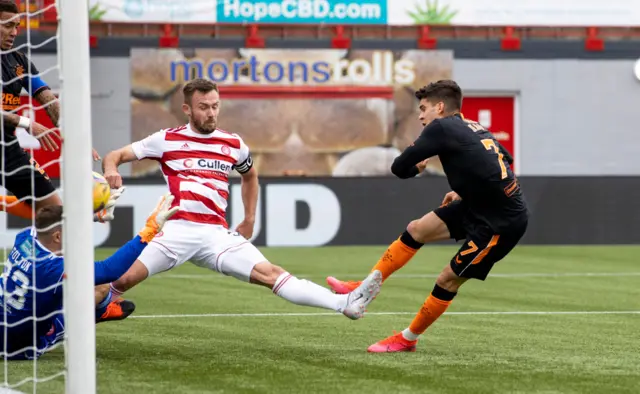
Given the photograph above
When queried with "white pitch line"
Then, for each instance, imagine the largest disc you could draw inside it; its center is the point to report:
(421, 276)
(310, 314)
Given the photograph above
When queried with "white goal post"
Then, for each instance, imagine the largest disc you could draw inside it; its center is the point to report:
(77, 181)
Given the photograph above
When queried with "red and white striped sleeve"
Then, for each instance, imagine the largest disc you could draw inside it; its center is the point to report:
(151, 147)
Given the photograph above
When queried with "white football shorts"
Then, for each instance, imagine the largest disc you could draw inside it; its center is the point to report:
(206, 245)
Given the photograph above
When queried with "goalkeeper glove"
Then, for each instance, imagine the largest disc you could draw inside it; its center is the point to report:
(161, 213)
(106, 214)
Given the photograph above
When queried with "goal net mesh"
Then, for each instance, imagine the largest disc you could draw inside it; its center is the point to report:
(36, 370)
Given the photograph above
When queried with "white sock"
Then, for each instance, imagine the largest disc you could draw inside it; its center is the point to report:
(115, 293)
(304, 292)
(409, 336)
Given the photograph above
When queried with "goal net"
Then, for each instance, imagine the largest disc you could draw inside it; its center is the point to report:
(64, 359)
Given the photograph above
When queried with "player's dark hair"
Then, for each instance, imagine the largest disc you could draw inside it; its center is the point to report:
(48, 219)
(8, 6)
(444, 90)
(197, 85)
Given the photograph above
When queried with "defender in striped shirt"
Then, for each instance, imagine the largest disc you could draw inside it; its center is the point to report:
(196, 160)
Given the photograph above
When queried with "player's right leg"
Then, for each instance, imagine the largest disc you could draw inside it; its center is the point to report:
(175, 244)
(442, 223)
(231, 254)
(307, 293)
(21, 169)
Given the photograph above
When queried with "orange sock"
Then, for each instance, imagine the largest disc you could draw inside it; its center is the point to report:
(435, 305)
(10, 205)
(397, 255)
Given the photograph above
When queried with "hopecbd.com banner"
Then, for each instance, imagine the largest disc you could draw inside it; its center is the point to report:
(303, 11)
(241, 11)
(322, 112)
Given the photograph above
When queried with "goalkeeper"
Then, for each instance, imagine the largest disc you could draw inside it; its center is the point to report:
(31, 282)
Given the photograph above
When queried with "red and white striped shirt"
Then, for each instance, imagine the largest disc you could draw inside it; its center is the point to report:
(196, 167)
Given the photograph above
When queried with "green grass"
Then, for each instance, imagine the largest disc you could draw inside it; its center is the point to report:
(461, 353)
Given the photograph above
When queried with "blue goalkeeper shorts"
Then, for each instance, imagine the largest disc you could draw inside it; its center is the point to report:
(45, 342)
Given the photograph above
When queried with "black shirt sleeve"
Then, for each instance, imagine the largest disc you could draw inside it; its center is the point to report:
(429, 144)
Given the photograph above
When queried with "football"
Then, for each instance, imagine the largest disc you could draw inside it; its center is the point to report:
(101, 192)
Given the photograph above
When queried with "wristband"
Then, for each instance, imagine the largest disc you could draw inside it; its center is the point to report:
(24, 122)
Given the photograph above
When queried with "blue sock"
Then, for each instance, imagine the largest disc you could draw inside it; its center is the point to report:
(102, 306)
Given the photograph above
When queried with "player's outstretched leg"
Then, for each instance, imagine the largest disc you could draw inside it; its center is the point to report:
(429, 228)
(435, 305)
(307, 293)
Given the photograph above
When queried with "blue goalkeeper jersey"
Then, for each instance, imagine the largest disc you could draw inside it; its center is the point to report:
(35, 273)
(32, 273)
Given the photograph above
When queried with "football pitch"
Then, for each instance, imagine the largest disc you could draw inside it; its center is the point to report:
(547, 320)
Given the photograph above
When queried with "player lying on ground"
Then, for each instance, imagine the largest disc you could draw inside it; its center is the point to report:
(196, 159)
(18, 73)
(486, 207)
(36, 261)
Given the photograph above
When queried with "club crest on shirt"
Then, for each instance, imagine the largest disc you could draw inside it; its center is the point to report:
(19, 70)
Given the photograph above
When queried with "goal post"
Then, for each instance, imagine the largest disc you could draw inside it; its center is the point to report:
(77, 181)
